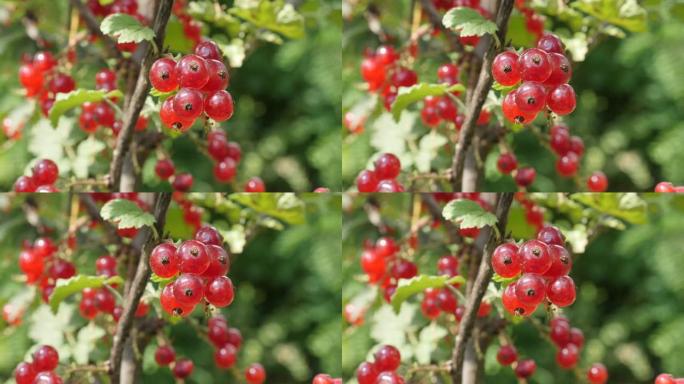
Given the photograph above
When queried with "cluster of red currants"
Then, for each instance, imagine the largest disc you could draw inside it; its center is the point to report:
(226, 154)
(508, 355)
(41, 370)
(544, 72)
(129, 7)
(42, 179)
(202, 78)
(323, 378)
(202, 264)
(42, 267)
(165, 355)
(384, 75)
(534, 214)
(383, 369)
(569, 150)
(191, 27)
(666, 378)
(226, 340)
(568, 341)
(534, 22)
(383, 178)
(41, 80)
(507, 164)
(667, 187)
(166, 170)
(541, 268)
(103, 300)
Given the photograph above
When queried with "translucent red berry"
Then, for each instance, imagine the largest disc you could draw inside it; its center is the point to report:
(506, 163)
(535, 257)
(507, 355)
(561, 100)
(534, 65)
(530, 97)
(164, 260)
(525, 368)
(164, 168)
(188, 104)
(192, 72)
(505, 68)
(550, 43)
(387, 166)
(255, 374)
(567, 356)
(219, 106)
(255, 184)
(225, 356)
(45, 358)
(163, 75)
(219, 77)
(562, 261)
(387, 358)
(597, 182)
(505, 260)
(597, 374)
(164, 355)
(183, 368)
(208, 50)
(193, 257)
(219, 291)
(188, 290)
(530, 289)
(366, 181)
(525, 176)
(561, 291)
(225, 170)
(510, 301)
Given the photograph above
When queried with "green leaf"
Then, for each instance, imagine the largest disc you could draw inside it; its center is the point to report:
(468, 22)
(163, 281)
(162, 95)
(276, 16)
(73, 99)
(627, 14)
(503, 280)
(126, 214)
(286, 207)
(468, 214)
(428, 149)
(86, 154)
(418, 284)
(106, 2)
(409, 95)
(126, 29)
(627, 206)
(76, 284)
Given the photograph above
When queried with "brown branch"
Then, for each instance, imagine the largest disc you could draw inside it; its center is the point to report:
(482, 280)
(137, 100)
(142, 275)
(479, 95)
(94, 26)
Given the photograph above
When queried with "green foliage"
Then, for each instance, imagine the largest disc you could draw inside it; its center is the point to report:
(126, 29)
(418, 92)
(468, 214)
(76, 284)
(66, 101)
(418, 284)
(126, 214)
(468, 22)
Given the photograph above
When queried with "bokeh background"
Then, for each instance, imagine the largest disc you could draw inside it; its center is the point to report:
(287, 97)
(630, 295)
(629, 98)
(287, 296)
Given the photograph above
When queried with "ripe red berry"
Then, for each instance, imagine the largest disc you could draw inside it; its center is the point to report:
(387, 358)
(164, 260)
(597, 182)
(549, 234)
(193, 257)
(505, 68)
(45, 358)
(62, 83)
(105, 301)
(44, 61)
(446, 301)
(219, 106)
(170, 119)
(255, 184)
(373, 71)
(560, 333)
(561, 100)
(192, 72)
(255, 374)
(510, 301)
(24, 373)
(47, 377)
(567, 164)
(208, 50)
(386, 55)
(562, 262)
(530, 289)
(506, 261)
(567, 356)
(507, 355)
(447, 265)
(366, 373)
(188, 104)
(448, 73)
(561, 291)
(535, 257)
(188, 290)
(366, 181)
(530, 97)
(525, 176)
(514, 114)
(224, 170)
(182, 182)
(164, 355)
(525, 368)
(387, 166)
(561, 70)
(45, 172)
(550, 43)
(163, 75)
(664, 378)
(218, 76)
(534, 65)
(506, 163)
(27, 184)
(104, 115)
(225, 356)
(447, 109)
(220, 261)
(597, 374)
(219, 291)
(183, 368)
(169, 303)
(404, 77)
(164, 168)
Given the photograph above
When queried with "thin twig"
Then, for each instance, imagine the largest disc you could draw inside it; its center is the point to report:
(137, 100)
(140, 280)
(479, 94)
(480, 286)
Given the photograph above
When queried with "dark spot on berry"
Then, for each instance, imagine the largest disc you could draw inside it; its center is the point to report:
(531, 100)
(530, 292)
(535, 251)
(188, 292)
(193, 251)
(165, 260)
(564, 68)
(536, 59)
(507, 69)
(194, 67)
(222, 260)
(507, 261)
(165, 75)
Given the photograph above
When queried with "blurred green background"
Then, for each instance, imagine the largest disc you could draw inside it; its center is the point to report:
(286, 95)
(287, 296)
(630, 295)
(629, 100)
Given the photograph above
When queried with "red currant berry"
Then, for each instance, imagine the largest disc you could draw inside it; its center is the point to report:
(387, 166)
(255, 184)
(535, 257)
(446, 301)
(561, 291)
(662, 187)
(447, 265)
(387, 358)
(183, 368)
(188, 104)
(27, 184)
(45, 358)
(367, 181)
(577, 145)
(220, 261)
(567, 164)
(550, 235)
(163, 75)
(182, 182)
(219, 292)
(506, 261)
(386, 55)
(224, 170)
(560, 333)
(366, 373)
(44, 61)
(193, 257)
(62, 83)
(561, 70)
(104, 115)
(225, 356)
(169, 303)
(550, 43)
(164, 355)
(448, 73)
(511, 111)
(24, 373)
(164, 168)
(164, 260)
(88, 308)
(404, 77)
(105, 301)
(447, 109)
(506, 163)
(664, 378)
(567, 356)
(170, 119)
(188, 290)
(510, 301)
(507, 355)
(561, 100)
(530, 289)
(87, 122)
(218, 76)
(597, 374)
(192, 72)
(255, 374)
(208, 50)
(530, 97)
(430, 307)
(505, 68)
(372, 264)
(525, 176)
(209, 235)
(373, 72)
(30, 77)
(219, 106)
(597, 182)
(562, 262)
(47, 377)
(525, 368)
(534, 65)
(404, 269)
